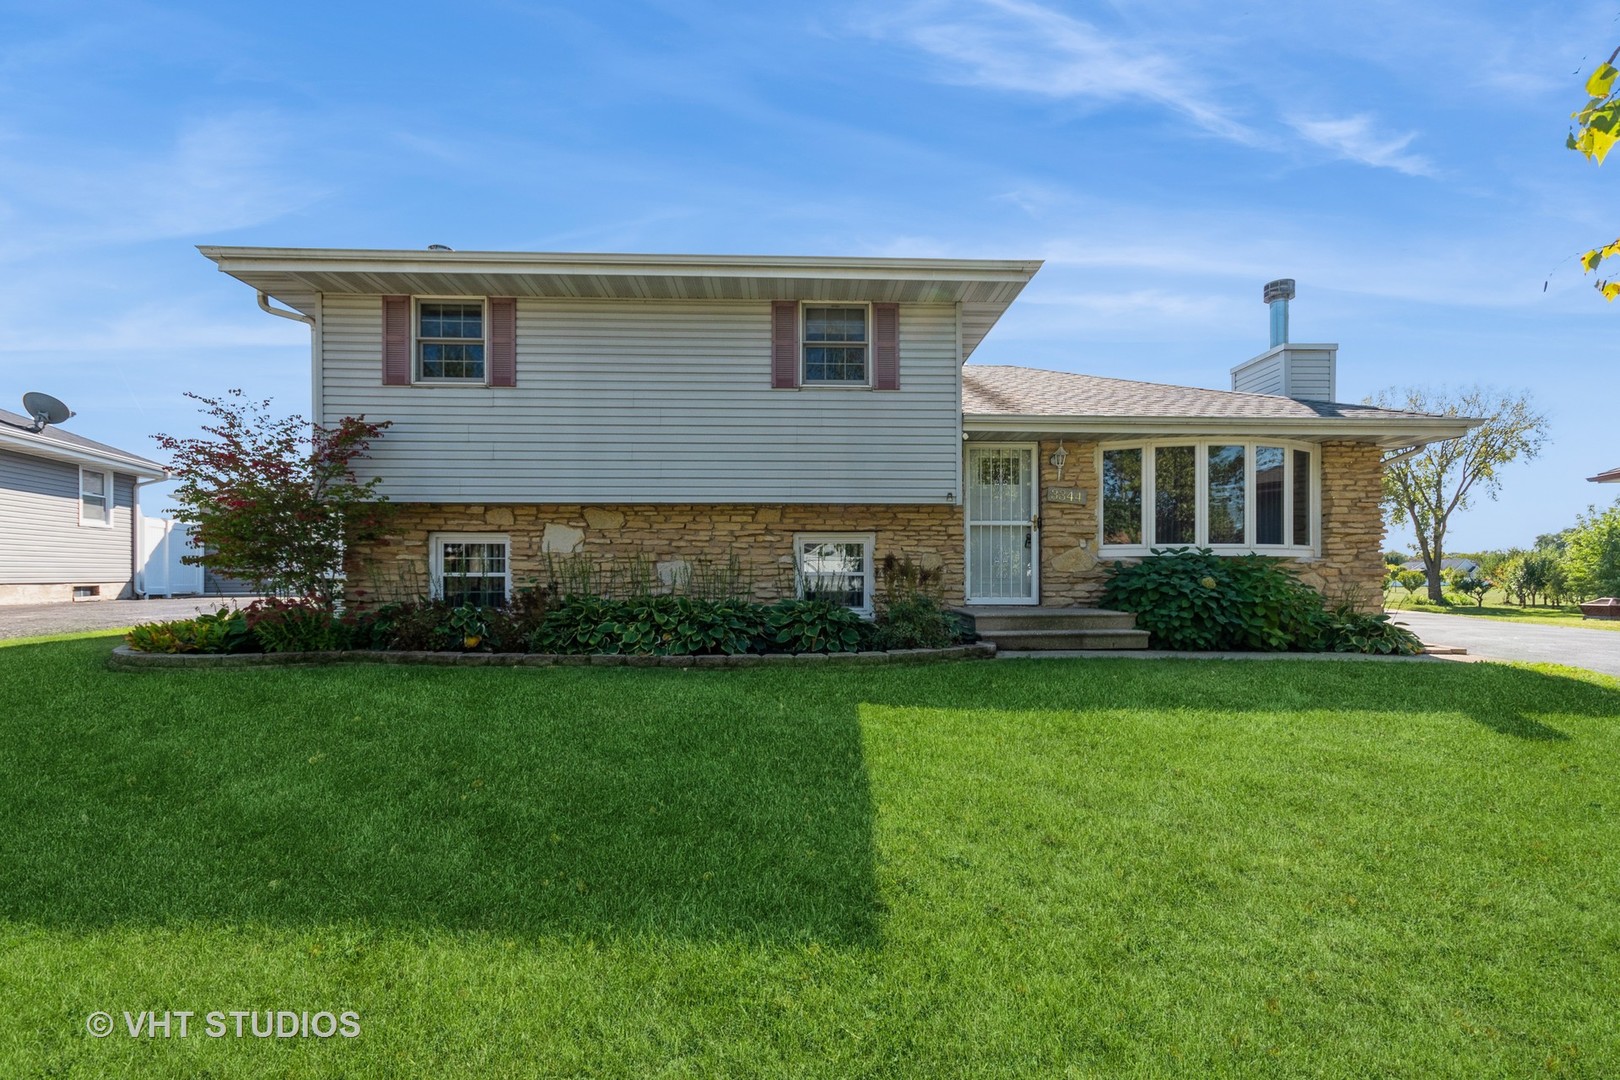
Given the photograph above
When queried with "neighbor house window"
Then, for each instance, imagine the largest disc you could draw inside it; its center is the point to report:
(472, 568)
(450, 340)
(835, 344)
(1246, 495)
(95, 497)
(835, 567)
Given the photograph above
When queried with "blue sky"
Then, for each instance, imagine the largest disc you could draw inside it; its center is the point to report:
(1404, 162)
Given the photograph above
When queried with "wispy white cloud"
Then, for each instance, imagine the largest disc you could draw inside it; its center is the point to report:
(1357, 139)
(1025, 47)
(216, 174)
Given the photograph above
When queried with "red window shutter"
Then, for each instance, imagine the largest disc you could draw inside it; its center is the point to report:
(784, 344)
(502, 341)
(396, 313)
(885, 346)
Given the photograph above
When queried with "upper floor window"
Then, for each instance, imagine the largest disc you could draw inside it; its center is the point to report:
(1246, 495)
(95, 497)
(450, 340)
(836, 340)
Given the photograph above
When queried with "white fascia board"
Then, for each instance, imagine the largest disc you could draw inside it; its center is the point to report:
(76, 455)
(293, 260)
(1388, 433)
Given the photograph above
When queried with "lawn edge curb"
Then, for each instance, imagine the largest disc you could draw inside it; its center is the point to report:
(124, 658)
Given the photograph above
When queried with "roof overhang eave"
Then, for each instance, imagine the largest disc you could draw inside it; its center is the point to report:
(1390, 435)
(129, 464)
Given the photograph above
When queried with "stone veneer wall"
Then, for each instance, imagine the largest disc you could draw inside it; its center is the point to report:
(1351, 566)
(760, 537)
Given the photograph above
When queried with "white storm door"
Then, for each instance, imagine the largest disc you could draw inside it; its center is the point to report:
(1002, 542)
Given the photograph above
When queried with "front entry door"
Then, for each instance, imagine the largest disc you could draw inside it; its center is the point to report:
(1003, 540)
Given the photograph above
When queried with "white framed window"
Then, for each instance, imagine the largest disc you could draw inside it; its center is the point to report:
(836, 567)
(835, 344)
(1230, 495)
(451, 338)
(95, 497)
(472, 568)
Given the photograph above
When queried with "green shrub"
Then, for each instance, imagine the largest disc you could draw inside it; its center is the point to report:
(1361, 632)
(224, 631)
(800, 626)
(1190, 598)
(649, 626)
(915, 622)
(295, 626)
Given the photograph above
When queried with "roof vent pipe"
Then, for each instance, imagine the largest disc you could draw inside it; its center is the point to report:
(1277, 294)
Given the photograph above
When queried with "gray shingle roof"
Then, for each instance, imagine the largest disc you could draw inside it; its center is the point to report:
(67, 440)
(989, 389)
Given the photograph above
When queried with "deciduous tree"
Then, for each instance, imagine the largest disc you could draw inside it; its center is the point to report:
(274, 499)
(1597, 128)
(1426, 489)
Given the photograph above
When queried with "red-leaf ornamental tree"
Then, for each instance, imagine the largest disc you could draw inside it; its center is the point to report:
(273, 499)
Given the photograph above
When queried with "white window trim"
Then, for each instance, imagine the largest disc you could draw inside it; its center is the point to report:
(107, 498)
(436, 542)
(869, 542)
(416, 339)
(1303, 552)
(826, 384)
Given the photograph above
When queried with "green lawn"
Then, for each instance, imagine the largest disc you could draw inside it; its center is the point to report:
(1496, 606)
(1093, 868)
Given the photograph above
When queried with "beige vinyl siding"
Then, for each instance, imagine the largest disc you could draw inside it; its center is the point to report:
(41, 540)
(663, 402)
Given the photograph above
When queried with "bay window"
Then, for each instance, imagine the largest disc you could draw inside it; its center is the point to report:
(1226, 495)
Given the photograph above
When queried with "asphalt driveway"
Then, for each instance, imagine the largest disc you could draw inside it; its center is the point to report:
(1577, 646)
(33, 620)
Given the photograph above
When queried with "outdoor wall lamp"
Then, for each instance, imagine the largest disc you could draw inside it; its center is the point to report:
(1058, 458)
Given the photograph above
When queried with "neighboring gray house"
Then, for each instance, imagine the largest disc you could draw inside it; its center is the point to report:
(69, 515)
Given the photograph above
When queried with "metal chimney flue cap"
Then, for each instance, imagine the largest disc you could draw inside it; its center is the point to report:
(1281, 289)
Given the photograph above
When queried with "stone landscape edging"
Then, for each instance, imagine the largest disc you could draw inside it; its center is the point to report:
(124, 658)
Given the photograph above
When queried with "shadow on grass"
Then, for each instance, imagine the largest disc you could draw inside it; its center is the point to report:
(577, 802)
(572, 802)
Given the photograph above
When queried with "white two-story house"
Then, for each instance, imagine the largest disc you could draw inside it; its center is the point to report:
(802, 418)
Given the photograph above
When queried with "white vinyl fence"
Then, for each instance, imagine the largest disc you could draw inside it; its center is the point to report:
(163, 543)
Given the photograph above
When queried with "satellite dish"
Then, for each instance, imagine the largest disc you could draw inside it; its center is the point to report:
(45, 409)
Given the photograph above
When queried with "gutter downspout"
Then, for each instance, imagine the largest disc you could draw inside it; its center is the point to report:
(264, 302)
(1403, 455)
(316, 413)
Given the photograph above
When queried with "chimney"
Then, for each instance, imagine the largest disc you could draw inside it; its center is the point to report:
(1277, 294)
(1287, 369)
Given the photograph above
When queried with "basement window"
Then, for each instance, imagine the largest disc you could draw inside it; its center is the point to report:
(835, 567)
(472, 568)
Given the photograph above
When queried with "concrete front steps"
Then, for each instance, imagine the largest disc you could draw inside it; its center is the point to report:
(1044, 629)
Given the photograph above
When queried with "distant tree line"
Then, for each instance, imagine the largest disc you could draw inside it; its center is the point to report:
(1581, 562)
